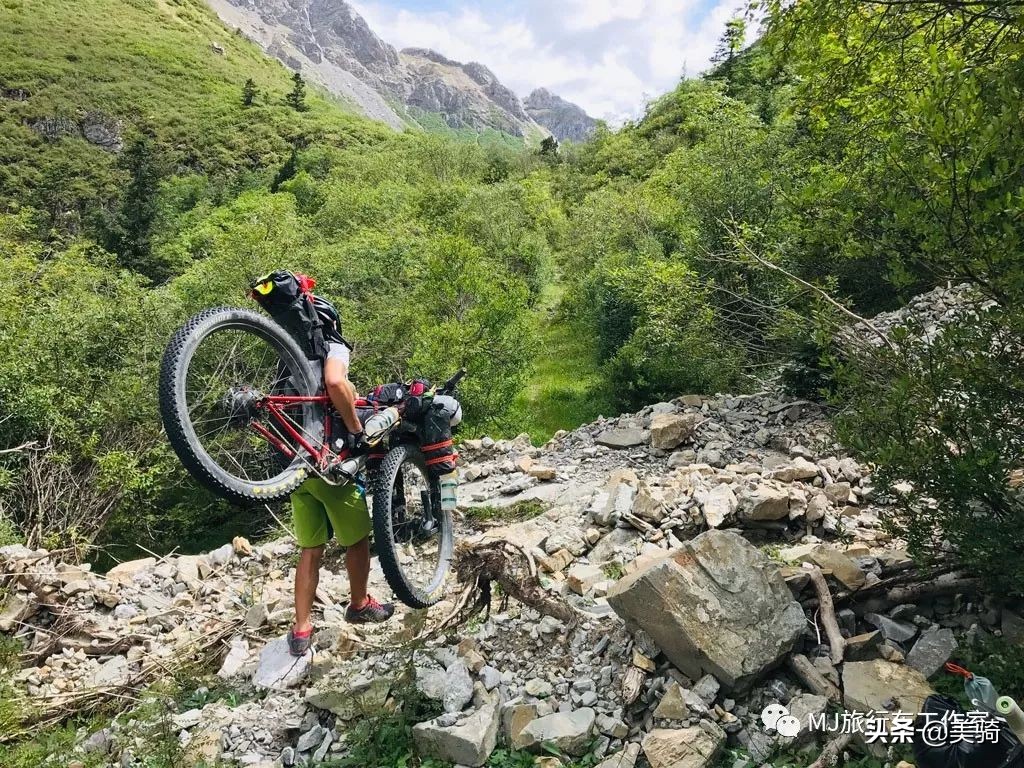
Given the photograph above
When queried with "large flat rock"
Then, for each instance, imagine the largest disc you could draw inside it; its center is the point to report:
(682, 747)
(621, 437)
(715, 606)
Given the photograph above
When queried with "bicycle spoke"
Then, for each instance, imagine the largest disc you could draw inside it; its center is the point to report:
(229, 373)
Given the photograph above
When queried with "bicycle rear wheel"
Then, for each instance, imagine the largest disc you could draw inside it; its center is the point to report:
(413, 536)
(216, 369)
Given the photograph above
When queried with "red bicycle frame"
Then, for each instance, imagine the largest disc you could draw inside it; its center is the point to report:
(275, 405)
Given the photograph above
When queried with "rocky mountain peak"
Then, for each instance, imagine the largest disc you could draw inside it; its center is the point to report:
(430, 55)
(332, 45)
(566, 121)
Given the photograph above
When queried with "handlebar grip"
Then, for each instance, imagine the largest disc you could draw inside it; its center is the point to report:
(453, 381)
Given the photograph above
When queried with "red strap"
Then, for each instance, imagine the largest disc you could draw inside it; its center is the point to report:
(376, 455)
(436, 446)
(302, 635)
(441, 459)
(956, 669)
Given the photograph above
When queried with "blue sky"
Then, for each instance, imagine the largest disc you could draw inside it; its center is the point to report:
(609, 56)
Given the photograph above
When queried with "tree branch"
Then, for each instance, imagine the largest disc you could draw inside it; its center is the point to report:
(821, 293)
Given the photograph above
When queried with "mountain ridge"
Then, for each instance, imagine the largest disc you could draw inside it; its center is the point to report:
(333, 46)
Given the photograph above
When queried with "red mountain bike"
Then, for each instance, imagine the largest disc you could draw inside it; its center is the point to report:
(246, 412)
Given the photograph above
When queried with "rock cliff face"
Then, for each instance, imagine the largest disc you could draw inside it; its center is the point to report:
(333, 45)
(566, 121)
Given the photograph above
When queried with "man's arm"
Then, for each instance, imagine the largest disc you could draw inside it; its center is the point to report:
(342, 393)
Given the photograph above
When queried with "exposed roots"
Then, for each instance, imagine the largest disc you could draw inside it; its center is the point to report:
(479, 565)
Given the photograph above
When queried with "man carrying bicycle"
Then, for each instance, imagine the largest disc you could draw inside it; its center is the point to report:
(318, 509)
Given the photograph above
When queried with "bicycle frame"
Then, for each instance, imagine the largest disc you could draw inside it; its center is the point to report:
(275, 405)
(323, 456)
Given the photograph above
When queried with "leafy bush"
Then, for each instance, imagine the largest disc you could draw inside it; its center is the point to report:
(659, 333)
(941, 421)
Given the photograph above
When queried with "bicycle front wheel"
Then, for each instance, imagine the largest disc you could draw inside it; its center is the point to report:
(414, 537)
(215, 372)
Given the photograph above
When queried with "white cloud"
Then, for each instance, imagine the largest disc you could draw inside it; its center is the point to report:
(608, 56)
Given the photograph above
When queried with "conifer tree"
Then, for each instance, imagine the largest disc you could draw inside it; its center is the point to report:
(296, 99)
(249, 93)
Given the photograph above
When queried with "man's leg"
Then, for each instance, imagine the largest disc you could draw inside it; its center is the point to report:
(307, 577)
(357, 563)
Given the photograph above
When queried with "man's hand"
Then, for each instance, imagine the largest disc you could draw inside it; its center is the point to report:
(356, 443)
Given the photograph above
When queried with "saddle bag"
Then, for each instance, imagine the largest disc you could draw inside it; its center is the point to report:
(288, 298)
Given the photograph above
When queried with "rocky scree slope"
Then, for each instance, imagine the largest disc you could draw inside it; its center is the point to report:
(334, 46)
(686, 538)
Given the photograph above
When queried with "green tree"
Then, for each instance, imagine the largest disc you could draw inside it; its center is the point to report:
(296, 98)
(549, 146)
(130, 235)
(730, 44)
(249, 93)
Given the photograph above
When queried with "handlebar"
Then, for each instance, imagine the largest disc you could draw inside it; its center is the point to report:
(449, 386)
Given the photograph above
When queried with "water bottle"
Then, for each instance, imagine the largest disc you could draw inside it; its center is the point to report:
(449, 483)
(378, 424)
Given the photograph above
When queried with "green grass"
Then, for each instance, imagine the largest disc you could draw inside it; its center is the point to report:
(566, 388)
(521, 510)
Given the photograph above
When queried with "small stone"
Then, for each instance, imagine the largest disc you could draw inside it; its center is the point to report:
(581, 578)
(458, 691)
(311, 739)
(672, 706)
(539, 688)
(706, 688)
(256, 616)
(863, 647)
(891, 629)
(490, 677)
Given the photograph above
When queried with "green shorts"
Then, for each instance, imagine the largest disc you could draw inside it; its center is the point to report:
(318, 508)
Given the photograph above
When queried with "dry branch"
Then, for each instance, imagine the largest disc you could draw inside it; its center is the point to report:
(828, 616)
(818, 291)
(812, 679)
(830, 754)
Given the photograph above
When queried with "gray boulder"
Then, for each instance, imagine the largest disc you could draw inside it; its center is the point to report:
(932, 650)
(278, 669)
(569, 732)
(468, 742)
(714, 606)
(458, 687)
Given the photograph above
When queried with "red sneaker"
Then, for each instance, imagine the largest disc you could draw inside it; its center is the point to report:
(371, 612)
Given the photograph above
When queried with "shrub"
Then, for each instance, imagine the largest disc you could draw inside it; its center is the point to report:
(945, 419)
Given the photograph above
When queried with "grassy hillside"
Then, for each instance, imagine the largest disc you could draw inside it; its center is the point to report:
(149, 65)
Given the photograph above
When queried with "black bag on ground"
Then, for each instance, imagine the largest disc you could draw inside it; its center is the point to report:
(288, 299)
(435, 436)
(1006, 752)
